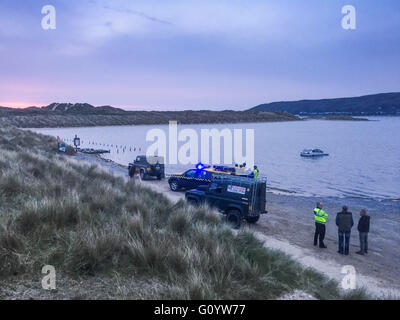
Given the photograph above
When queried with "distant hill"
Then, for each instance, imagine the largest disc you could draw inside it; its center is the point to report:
(84, 114)
(82, 108)
(377, 104)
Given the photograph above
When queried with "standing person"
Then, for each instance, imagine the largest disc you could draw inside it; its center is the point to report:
(132, 170)
(344, 221)
(256, 172)
(320, 220)
(136, 175)
(363, 229)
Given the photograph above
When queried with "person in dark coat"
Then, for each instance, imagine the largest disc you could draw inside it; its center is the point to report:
(344, 221)
(363, 229)
(132, 170)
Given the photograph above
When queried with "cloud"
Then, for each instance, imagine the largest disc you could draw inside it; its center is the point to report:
(236, 21)
(138, 13)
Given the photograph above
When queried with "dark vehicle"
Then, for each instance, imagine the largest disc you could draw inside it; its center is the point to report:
(190, 179)
(200, 176)
(62, 147)
(148, 167)
(237, 197)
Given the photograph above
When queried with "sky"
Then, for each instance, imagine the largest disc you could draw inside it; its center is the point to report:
(190, 54)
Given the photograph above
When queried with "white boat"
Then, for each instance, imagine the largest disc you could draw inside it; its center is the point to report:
(311, 153)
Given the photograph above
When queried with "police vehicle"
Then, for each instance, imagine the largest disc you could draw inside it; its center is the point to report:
(236, 197)
(201, 175)
(148, 167)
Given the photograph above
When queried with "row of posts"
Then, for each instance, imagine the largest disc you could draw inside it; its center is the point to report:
(77, 142)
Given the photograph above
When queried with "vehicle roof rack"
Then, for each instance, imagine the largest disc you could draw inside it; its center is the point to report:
(238, 179)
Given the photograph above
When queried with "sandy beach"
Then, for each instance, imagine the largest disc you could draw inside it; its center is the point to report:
(289, 227)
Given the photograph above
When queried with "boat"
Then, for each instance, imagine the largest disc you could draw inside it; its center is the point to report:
(312, 153)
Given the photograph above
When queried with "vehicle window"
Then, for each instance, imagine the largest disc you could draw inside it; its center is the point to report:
(190, 174)
(215, 187)
(138, 159)
(204, 175)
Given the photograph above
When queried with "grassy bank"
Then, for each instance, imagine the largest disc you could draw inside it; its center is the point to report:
(108, 238)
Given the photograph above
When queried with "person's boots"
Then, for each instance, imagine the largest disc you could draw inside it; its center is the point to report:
(322, 245)
(360, 253)
(347, 249)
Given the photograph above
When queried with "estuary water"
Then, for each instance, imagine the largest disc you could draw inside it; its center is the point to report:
(363, 161)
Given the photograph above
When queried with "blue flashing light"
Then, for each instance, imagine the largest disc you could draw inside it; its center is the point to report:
(200, 166)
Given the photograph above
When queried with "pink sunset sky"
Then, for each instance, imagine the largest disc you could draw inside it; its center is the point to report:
(175, 54)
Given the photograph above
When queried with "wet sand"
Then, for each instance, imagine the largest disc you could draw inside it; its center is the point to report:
(290, 219)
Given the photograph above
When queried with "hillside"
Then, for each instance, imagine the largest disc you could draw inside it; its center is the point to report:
(377, 104)
(108, 239)
(83, 114)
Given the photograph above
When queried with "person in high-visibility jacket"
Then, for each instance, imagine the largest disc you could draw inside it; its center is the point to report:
(320, 217)
(256, 172)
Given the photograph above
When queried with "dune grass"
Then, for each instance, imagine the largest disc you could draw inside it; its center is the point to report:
(90, 225)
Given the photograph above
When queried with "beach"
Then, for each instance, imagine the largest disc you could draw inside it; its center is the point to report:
(289, 226)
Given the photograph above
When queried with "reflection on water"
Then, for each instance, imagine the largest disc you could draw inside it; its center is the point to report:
(363, 156)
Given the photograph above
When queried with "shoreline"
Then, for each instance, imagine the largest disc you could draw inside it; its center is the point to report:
(286, 192)
(300, 118)
(155, 124)
(62, 120)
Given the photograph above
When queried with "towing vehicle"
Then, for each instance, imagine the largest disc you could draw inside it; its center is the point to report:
(238, 198)
(148, 167)
(201, 175)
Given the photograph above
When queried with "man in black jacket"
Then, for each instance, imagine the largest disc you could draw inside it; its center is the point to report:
(344, 221)
(363, 229)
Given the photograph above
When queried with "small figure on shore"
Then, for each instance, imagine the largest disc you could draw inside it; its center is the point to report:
(136, 175)
(256, 172)
(344, 221)
(132, 170)
(320, 218)
(363, 229)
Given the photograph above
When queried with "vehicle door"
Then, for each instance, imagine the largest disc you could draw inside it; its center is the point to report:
(215, 196)
(204, 177)
(189, 180)
(138, 161)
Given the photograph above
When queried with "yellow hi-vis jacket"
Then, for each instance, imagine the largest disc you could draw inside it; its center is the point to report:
(256, 173)
(320, 216)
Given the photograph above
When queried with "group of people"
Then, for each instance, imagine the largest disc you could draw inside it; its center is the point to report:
(344, 222)
(242, 170)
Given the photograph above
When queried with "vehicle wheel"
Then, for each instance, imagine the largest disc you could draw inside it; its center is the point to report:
(193, 202)
(174, 186)
(234, 219)
(159, 177)
(143, 176)
(252, 219)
